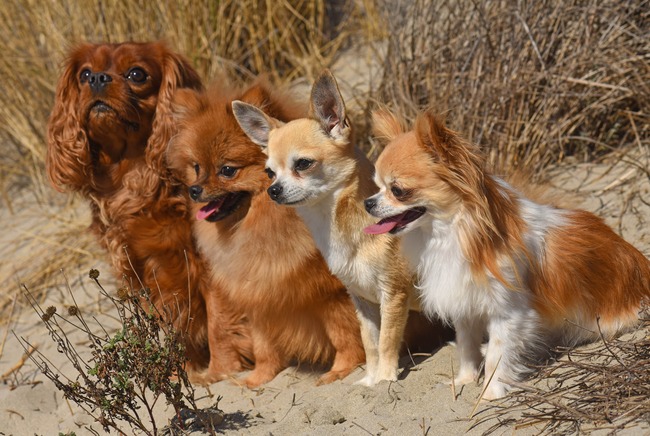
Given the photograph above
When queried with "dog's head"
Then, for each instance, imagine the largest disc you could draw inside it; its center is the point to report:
(422, 174)
(113, 105)
(310, 157)
(212, 156)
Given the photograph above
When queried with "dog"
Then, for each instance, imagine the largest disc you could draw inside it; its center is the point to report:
(107, 135)
(260, 253)
(490, 260)
(318, 171)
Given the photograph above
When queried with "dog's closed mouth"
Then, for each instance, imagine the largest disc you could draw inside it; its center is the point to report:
(100, 108)
(395, 223)
(221, 207)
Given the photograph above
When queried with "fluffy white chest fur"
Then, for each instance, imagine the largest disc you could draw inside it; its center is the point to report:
(446, 285)
(340, 251)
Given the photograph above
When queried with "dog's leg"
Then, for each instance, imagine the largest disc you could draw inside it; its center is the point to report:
(394, 314)
(268, 361)
(510, 339)
(369, 318)
(339, 321)
(469, 335)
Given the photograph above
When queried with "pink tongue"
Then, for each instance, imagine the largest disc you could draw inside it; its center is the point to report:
(382, 226)
(209, 209)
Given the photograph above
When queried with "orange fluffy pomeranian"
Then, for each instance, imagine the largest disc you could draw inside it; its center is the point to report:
(261, 253)
(492, 261)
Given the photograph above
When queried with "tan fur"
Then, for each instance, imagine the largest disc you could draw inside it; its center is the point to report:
(372, 268)
(262, 254)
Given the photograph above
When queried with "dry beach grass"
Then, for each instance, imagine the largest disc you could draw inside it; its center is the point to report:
(552, 89)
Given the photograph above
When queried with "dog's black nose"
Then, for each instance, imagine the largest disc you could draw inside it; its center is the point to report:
(274, 191)
(195, 192)
(370, 203)
(98, 81)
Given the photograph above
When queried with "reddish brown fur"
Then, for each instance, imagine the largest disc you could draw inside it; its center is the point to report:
(115, 158)
(262, 254)
(587, 270)
(497, 229)
(588, 266)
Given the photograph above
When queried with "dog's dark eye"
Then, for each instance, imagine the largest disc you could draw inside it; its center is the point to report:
(397, 191)
(136, 75)
(197, 168)
(85, 74)
(302, 164)
(228, 171)
(269, 172)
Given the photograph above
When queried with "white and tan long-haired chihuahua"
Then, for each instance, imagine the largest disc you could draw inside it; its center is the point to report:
(318, 170)
(492, 261)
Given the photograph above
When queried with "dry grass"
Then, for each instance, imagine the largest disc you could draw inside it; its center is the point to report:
(602, 387)
(535, 83)
(286, 39)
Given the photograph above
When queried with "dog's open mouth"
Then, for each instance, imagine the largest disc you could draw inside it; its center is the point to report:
(221, 207)
(395, 223)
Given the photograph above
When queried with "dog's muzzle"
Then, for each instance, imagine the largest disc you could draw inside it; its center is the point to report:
(275, 192)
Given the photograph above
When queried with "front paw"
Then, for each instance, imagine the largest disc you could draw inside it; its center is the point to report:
(257, 378)
(386, 374)
(495, 390)
(466, 376)
(368, 380)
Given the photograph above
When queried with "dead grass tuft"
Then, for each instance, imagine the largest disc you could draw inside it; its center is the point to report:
(532, 82)
(602, 387)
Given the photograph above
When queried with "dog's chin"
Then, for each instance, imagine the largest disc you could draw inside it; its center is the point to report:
(292, 203)
(102, 115)
(229, 204)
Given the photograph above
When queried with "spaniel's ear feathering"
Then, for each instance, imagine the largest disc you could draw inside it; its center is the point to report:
(177, 73)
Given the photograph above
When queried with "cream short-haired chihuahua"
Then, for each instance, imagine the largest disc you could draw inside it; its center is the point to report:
(319, 171)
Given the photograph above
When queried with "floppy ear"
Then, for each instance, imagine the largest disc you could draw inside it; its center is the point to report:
(177, 73)
(68, 159)
(328, 108)
(385, 125)
(255, 123)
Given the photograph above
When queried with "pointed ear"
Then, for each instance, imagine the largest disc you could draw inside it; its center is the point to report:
(186, 102)
(257, 94)
(328, 108)
(385, 125)
(434, 136)
(255, 123)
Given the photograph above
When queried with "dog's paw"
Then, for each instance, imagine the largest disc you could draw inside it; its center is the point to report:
(495, 390)
(206, 377)
(465, 377)
(257, 378)
(386, 374)
(368, 380)
(332, 376)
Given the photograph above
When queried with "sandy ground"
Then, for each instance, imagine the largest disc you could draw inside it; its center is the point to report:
(421, 402)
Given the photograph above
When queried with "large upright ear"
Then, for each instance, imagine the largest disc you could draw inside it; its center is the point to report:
(385, 125)
(255, 123)
(68, 160)
(177, 73)
(432, 134)
(328, 108)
